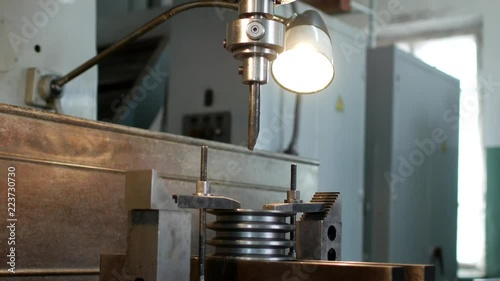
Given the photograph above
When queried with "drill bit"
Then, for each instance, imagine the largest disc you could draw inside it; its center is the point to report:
(254, 115)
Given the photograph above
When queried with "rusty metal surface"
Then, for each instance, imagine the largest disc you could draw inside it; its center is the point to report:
(70, 187)
(242, 270)
(112, 266)
(412, 272)
(63, 221)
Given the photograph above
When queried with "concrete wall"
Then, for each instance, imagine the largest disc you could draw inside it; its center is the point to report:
(65, 32)
(110, 24)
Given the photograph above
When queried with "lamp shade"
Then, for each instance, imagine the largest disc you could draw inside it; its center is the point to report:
(306, 65)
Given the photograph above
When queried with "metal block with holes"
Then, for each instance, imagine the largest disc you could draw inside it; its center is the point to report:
(159, 244)
(319, 235)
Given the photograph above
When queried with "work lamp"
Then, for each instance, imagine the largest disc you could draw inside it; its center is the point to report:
(306, 65)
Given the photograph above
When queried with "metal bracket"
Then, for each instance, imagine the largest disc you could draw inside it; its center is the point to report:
(32, 96)
(38, 91)
(297, 207)
(206, 202)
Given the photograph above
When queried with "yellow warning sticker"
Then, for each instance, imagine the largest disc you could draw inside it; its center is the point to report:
(340, 105)
(444, 147)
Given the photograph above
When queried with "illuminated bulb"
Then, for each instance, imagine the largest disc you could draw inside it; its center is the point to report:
(306, 65)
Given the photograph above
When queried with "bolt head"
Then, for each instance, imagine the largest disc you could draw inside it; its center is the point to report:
(255, 30)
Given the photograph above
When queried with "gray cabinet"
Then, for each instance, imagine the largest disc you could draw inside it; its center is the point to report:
(411, 160)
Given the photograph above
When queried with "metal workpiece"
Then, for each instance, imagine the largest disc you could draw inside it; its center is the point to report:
(319, 234)
(251, 235)
(159, 245)
(319, 240)
(145, 190)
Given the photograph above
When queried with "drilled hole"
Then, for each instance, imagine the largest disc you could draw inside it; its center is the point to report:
(332, 233)
(38, 49)
(209, 97)
(332, 255)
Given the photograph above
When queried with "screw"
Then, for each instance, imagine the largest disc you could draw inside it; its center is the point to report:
(204, 160)
(255, 30)
(293, 178)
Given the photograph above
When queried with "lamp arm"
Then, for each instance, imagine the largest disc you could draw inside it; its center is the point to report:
(58, 83)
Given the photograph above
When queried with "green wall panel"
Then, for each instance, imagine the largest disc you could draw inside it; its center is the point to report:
(493, 213)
